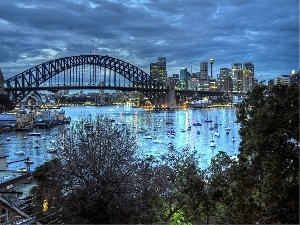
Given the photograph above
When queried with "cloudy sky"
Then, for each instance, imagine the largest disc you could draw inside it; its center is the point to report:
(186, 32)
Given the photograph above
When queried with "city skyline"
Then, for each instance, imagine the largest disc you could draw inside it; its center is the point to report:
(186, 33)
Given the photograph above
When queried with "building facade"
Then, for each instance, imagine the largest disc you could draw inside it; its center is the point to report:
(183, 78)
(203, 71)
(158, 70)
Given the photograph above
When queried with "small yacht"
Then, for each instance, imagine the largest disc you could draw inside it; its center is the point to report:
(170, 146)
(233, 139)
(155, 140)
(217, 134)
(36, 145)
(212, 144)
(7, 139)
(52, 150)
(148, 136)
(34, 134)
(20, 152)
(197, 124)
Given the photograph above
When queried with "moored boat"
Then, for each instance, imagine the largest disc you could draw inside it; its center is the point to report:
(34, 134)
(20, 152)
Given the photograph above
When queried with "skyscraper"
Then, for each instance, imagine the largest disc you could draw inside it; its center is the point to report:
(249, 66)
(224, 81)
(203, 70)
(183, 78)
(248, 77)
(237, 77)
(158, 70)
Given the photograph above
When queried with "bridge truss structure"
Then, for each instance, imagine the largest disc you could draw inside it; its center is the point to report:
(84, 72)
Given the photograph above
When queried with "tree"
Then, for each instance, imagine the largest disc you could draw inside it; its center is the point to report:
(99, 177)
(6, 103)
(269, 154)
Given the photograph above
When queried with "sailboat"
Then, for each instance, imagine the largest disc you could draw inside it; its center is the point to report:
(168, 119)
(212, 142)
(216, 123)
(44, 136)
(208, 120)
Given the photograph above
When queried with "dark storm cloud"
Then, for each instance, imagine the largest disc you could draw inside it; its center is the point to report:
(138, 31)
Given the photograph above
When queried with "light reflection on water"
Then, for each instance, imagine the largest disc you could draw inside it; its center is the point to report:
(153, 122)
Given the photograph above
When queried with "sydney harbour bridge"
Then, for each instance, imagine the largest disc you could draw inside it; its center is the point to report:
(93, 72)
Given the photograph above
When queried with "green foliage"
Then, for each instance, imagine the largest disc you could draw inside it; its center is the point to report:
(270, 153)
(98, 177)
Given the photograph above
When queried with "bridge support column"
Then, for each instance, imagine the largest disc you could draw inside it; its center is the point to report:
(170, 95)
(2, 91)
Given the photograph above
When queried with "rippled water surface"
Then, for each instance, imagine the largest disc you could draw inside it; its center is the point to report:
(153, 122)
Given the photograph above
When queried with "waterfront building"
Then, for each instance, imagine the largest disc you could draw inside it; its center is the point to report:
(8, 119)
(24, 118)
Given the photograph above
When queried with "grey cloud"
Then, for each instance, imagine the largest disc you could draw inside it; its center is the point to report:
(185, 31)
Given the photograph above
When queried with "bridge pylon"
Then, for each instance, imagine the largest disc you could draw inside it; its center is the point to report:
(170, 95)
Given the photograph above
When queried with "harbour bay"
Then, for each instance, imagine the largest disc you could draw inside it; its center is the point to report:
(150, 128)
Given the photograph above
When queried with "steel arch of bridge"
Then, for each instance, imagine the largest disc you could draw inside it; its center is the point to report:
(71, 73)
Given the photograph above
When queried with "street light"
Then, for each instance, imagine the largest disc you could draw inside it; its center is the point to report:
(211, 60)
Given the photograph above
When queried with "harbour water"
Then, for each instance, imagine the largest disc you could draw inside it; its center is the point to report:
(152, 123)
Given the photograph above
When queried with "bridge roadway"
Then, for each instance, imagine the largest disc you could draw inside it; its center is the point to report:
(111, 87)
(83, 71)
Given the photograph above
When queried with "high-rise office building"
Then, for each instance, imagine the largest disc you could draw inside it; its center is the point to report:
(203, 71)
(248, 77)
(237, 77)
(248, 81)
(158, 70)
(250, 67)
(224, 80)
(183, 78)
